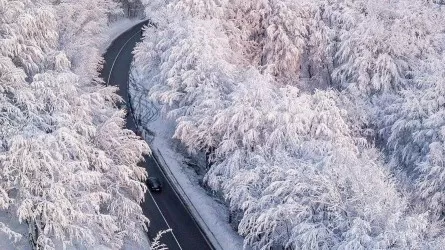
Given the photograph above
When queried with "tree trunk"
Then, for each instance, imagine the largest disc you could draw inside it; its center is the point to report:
(209, 153)
(33, 234)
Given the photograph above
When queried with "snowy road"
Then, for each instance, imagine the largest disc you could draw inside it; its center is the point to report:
(165, 209)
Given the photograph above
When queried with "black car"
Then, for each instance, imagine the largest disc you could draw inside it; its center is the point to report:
(154, 184)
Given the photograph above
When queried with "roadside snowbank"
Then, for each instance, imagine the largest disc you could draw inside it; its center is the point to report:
(159, 136)
(7, 242)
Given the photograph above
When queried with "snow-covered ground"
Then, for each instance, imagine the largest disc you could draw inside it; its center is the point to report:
(131, 245)
(20, 230)
(213, 213)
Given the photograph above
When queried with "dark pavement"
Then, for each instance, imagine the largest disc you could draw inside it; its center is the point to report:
(185, 229)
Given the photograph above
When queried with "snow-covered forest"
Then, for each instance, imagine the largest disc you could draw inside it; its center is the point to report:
(68, 169)
(324, 120)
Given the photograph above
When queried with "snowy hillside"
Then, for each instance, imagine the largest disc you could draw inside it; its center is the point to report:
(323, 120)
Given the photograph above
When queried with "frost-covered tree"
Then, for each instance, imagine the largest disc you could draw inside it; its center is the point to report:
(191, 72)
(249, 83)
(274, 34)
(392, 54)
(283, 38)
(380, 42)
(80, 32)
(388, 61)
(60, 170)
(301, 181)
(131, 8)
(413, 126)
(300, 203)
(204, 9)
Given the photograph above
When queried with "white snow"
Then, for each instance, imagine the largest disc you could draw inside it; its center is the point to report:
(213, 213)
(128, 245)
(144, 244)
(22, 243)
(6, 242)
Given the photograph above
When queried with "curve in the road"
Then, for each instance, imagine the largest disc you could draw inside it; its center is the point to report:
(165, 210)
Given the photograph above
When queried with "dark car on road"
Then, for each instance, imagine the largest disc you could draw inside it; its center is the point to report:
(154, 184)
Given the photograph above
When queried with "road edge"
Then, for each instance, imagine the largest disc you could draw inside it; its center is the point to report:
(177, 188)
(208, 234)
(103, 51)
(159, 158)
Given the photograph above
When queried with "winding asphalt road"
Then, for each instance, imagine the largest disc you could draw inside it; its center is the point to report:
(164, 209)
